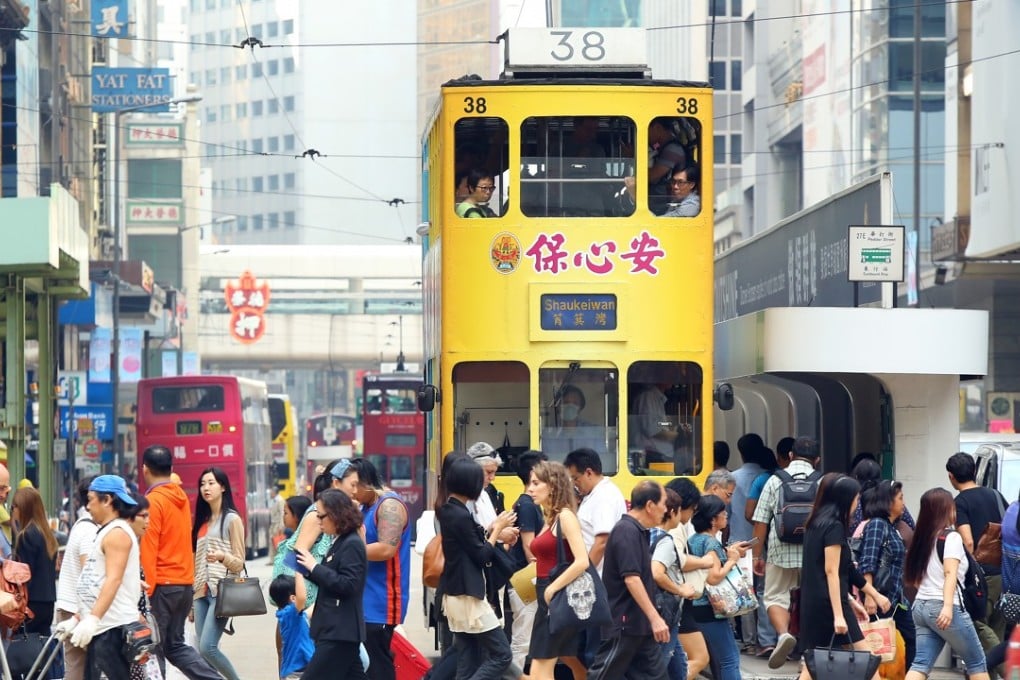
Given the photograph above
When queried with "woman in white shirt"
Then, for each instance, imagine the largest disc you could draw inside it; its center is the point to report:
(938, 611)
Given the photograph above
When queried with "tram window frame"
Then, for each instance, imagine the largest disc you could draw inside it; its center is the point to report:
(674, 385)
(594, 389)
(481, 144)
(571, 168)
(491, 403)
(684, 135)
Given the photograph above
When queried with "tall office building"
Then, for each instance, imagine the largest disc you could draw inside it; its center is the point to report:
(310, 129)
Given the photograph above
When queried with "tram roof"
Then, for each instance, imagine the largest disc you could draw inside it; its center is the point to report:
(608, 79)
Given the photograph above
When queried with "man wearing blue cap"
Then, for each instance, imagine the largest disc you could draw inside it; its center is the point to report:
(109, 585)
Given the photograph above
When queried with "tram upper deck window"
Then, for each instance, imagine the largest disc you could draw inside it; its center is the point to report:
(674, 167)
(579, 408)
(481, 157)
(664, 422)
(575, 166)
(490, 401)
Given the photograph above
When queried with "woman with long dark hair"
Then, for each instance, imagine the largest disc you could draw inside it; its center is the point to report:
(484, 651)
(36, 546)
(218, 540)
(868, 474)
(938, 611)
(881, 556)
(828, 612)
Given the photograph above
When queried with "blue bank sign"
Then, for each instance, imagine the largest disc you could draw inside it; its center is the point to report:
(101, 417)
(121, 88)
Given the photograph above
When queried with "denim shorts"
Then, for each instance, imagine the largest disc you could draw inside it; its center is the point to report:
(960, 634)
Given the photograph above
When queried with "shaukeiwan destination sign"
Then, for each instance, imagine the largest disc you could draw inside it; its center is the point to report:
(114, 89)
(578, 312)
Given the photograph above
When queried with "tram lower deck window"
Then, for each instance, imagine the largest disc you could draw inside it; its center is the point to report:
(664, 418)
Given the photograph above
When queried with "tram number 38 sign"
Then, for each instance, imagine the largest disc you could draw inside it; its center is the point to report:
(577, 46)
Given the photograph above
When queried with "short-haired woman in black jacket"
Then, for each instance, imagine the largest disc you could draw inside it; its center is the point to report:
(338, 621)
(484, 652)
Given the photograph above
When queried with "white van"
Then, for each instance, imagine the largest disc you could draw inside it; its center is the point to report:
(998, 461)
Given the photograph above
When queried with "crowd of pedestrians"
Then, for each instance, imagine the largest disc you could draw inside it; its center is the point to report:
(824, 553)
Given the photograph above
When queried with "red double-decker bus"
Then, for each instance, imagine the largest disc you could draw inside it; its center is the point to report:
(328, 436)
(214, 420)
(393, 432)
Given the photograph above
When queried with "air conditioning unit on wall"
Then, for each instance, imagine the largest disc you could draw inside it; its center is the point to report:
(1002, 409)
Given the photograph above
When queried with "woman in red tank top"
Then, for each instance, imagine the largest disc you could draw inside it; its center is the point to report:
(551, 489)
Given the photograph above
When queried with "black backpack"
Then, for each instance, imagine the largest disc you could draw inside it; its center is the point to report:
(975, 588)
(794, 503)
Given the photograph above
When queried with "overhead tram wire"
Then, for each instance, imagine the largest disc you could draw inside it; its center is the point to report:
(496, 41)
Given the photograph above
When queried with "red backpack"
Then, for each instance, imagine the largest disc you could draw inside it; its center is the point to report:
(14, 578)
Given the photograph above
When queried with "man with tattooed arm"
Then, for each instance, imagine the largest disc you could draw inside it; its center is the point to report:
(387, 584)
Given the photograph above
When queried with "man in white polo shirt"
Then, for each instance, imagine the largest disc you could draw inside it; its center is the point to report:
(602, 506)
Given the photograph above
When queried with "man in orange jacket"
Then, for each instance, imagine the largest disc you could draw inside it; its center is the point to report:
(168, 561)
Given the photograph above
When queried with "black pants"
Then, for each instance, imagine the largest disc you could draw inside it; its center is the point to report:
(378, 638)
(43, 617)
(335, 659)
(482, 656)
(105, 654)
(629, 656)
(170, 606)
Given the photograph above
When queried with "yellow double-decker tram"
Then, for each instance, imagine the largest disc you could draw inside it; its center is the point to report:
(568, 260)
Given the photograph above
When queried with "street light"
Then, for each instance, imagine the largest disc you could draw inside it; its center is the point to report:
(115, 359)
(400, 354)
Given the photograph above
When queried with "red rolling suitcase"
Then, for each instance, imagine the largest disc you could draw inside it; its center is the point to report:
(409, 663)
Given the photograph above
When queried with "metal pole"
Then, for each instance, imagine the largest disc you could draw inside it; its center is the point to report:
(115, 349)
(917, 149)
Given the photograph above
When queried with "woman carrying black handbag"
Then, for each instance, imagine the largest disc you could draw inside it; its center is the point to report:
(828, 612)
(483, 648)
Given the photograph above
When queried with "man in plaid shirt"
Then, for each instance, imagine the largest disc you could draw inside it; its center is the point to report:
(782, 569)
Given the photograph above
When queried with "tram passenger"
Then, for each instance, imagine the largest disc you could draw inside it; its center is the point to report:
(573, 431)
(650, 429)
(684, 192)
(480, 184)
(665, 152)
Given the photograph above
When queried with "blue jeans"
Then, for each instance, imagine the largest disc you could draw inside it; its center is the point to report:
(208, 631)
(722, 648)
(676, 657)
(960, 635)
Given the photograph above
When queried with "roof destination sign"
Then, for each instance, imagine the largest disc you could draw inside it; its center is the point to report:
(587, 48)
(876, 253)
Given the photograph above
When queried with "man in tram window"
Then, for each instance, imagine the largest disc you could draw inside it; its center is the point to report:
(665, 152)
(480, 184)
(651, 430)
(684, 192)
(574, 432)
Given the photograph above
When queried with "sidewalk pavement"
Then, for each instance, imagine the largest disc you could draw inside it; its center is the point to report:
(252, 649)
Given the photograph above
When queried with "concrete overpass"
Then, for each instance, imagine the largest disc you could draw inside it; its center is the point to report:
(339, 306)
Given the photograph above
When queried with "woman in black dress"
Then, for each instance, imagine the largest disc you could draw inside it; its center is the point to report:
(36, 546)
(827, 610)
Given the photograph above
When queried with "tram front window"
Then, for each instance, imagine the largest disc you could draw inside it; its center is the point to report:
(490, 401)
(480, 164)
(574, 166)
(664, 422)
(579, 409)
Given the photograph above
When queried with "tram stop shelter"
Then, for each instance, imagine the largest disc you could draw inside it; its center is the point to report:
(856, 379)
(44, 259)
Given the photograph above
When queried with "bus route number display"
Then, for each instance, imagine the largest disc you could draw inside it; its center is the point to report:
(578, 312)
(576, 47)
(187, 428)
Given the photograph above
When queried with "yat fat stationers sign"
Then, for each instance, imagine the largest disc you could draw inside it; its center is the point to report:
(114, 89)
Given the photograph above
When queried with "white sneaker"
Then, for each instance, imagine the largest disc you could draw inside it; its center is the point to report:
(784, 647)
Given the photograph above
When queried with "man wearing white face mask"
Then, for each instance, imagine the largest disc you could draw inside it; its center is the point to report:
(574, 432)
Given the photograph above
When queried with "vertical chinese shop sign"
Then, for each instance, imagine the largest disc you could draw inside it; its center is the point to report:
(247, 301)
